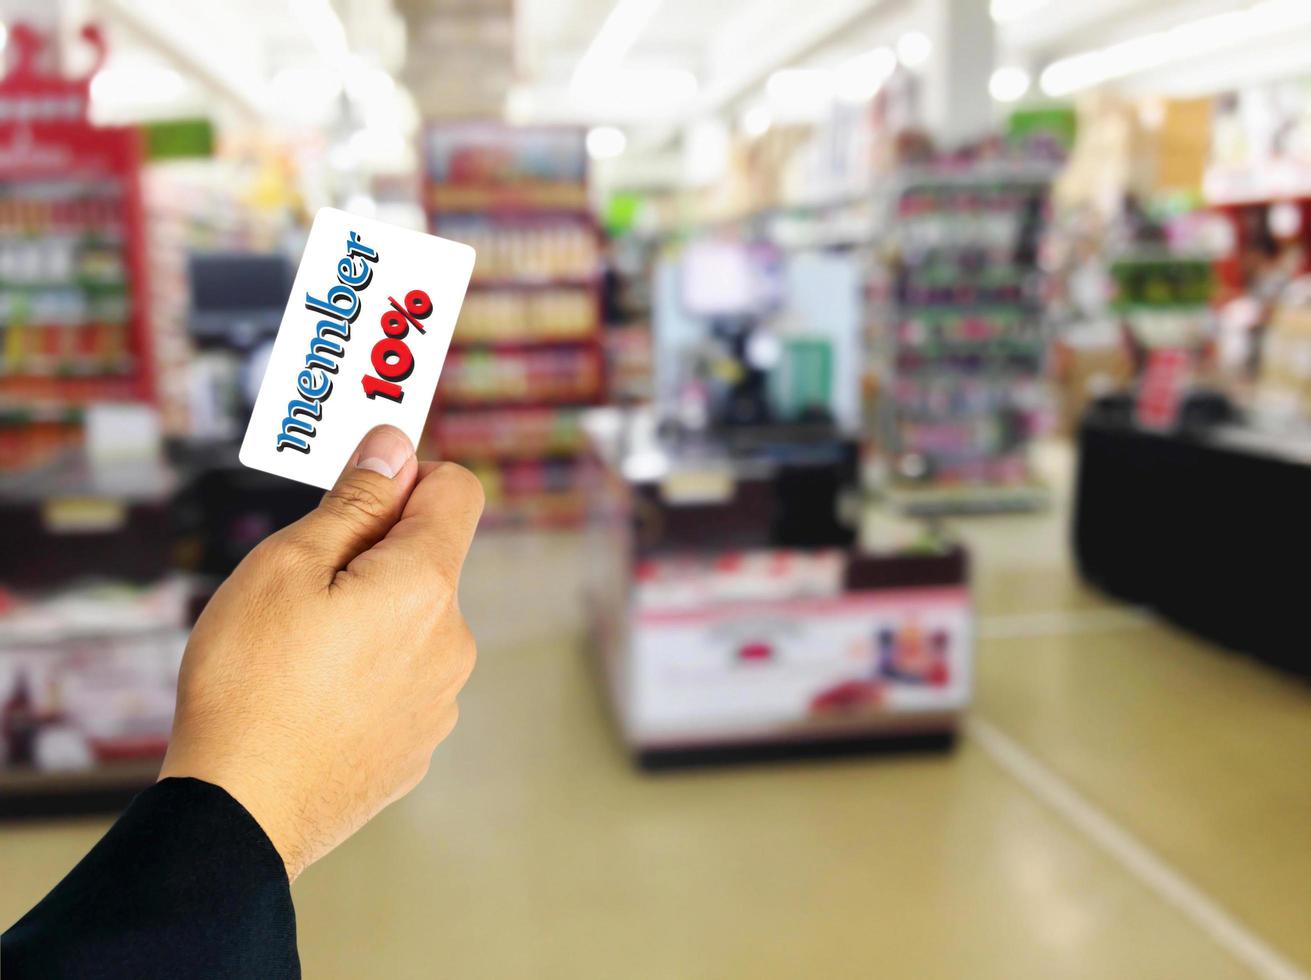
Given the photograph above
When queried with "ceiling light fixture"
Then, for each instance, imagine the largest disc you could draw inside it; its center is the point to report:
(859, 79)
(1009, 11)
(606, 142)
(914, 49)
(668, 85)
(326, 31)
(797, 93)
(127, 86)
(305, 93)
(365, 84)
(756, 121)
(1009, 83)
(633, 95)
(626, 20)
(1188, 40)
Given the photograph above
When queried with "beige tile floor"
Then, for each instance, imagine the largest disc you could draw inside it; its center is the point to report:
(534, 850)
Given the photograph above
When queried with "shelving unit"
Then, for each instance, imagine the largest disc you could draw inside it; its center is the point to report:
(961, 339)
(1165, 300)
(87, 672)
(527, 355)
(73, 324)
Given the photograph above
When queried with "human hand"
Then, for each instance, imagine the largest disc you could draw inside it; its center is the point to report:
(323, 673)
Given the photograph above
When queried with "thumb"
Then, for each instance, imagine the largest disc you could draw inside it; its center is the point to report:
(366, 501)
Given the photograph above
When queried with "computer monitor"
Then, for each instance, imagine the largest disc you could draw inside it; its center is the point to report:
(237, 298)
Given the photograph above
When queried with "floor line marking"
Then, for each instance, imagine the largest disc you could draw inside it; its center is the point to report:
(1059, 621)
(1136, 857)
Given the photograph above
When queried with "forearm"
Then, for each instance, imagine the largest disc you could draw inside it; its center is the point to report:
(185, 883)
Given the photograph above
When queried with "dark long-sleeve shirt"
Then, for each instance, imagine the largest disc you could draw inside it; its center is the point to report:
(185, 884)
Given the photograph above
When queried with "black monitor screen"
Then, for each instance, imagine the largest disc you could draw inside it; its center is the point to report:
(238, 296)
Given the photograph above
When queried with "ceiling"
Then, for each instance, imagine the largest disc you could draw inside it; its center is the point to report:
(731, 46)
(488, 58)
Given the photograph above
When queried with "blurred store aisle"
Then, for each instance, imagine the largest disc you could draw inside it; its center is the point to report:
(534, 850)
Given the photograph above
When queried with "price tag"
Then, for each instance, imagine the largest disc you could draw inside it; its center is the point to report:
(83, 515)
(707, 485)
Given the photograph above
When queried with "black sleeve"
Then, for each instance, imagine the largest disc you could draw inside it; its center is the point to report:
(185, 884)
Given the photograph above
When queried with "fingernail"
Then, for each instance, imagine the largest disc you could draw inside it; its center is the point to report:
(384, 450)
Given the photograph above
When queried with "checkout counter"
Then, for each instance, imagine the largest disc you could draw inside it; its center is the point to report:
(1204, 525)
(734, 612)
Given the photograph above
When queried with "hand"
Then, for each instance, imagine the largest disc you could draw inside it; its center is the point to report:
(323, 673)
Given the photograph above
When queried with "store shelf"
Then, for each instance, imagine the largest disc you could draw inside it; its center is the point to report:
(561, 510)
(523, 343)
(529, 282)
(938, 501)
(963, 340)
(528, 348)
(540, 198)
(509, 402)
(103, 789)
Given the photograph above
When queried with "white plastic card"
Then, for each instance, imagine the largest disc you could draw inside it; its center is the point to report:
(362, 343)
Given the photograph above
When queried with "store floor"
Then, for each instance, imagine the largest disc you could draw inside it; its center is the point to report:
(1128, 802)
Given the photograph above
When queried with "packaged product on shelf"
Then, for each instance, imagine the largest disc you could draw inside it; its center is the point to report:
(513, 432)
(540, 249)
(526, 376)
(524, 315)
(89, 674)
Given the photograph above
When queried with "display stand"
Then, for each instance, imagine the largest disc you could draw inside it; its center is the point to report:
(733, 615)
(526, 355)
(963, 339)
(73, 322)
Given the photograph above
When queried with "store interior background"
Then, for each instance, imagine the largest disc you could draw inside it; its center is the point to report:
(895, 417)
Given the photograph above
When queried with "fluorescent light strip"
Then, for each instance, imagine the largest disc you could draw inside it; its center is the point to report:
(324, 27)
(615, 39)
(1010, 11)
(1188, 40)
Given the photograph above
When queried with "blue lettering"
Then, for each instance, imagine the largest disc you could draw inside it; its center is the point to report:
(349, 276)
(330, 306)
(356, 247)
(312, 387)
(340, 305)
(292, 424)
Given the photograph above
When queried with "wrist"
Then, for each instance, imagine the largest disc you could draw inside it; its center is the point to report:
(265, 806)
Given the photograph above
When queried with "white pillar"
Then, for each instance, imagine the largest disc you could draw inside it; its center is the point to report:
(957, 106)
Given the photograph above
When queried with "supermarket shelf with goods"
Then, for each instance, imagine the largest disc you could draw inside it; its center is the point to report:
(527, 350)
(959, 339)
(1164, 300)
(73, 321)
(87, 671)
(93, 622)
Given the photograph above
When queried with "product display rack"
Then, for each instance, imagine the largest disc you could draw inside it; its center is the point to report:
(526, 356)
(87, 671)
(1164, 299)
(73, 322)
(961, 339)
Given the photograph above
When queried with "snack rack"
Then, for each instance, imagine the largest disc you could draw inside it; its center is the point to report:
(526, 356)
(962, 338)
(73, 322)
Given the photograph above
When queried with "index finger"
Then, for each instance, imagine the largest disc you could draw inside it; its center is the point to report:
(438, 522)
